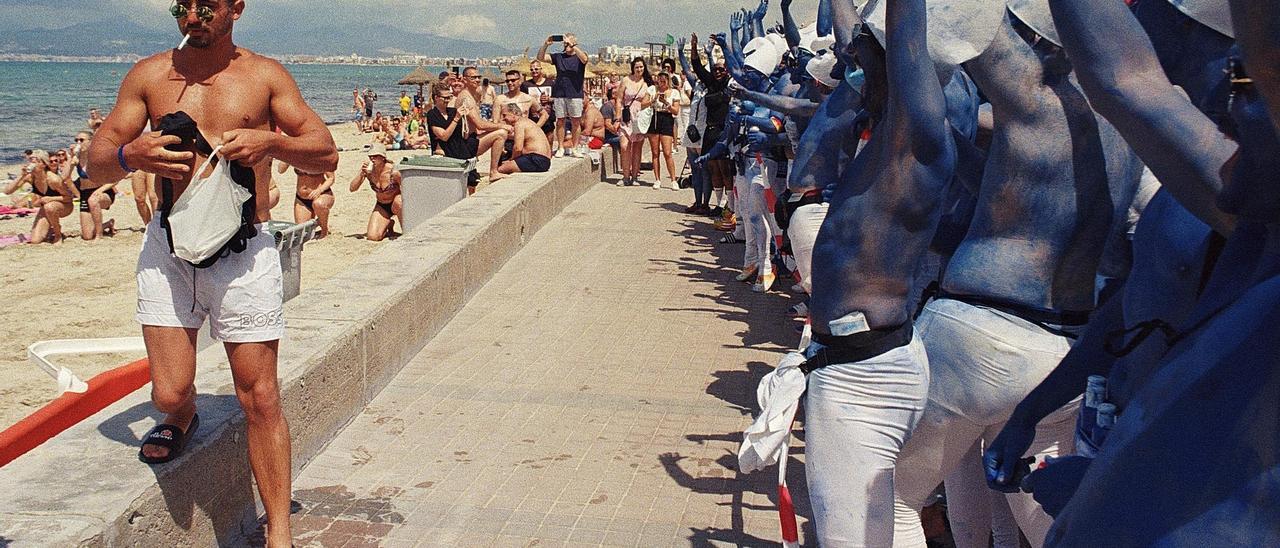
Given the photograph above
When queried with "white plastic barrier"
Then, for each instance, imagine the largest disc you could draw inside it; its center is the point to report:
(40, 352)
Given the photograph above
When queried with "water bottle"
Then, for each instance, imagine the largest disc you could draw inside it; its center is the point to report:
(1095, 393)
(1105, 422)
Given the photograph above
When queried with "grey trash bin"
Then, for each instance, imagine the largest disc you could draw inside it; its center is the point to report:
(431, 184)
(289, 240)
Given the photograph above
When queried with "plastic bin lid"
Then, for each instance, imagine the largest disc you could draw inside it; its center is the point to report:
(437, 162)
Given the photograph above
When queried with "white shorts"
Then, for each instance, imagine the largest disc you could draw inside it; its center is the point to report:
(242, 294)
(567, 107)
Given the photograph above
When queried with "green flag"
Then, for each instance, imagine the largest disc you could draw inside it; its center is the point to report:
(671, 40)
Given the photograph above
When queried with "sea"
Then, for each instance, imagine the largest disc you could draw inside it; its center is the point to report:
(43, 105)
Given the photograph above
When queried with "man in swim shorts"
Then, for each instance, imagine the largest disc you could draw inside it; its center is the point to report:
(241, 293)
(530, 152)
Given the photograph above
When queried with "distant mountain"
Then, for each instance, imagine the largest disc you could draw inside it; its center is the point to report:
(123, 37)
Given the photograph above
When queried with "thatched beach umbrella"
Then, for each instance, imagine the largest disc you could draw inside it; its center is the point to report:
(418, 77)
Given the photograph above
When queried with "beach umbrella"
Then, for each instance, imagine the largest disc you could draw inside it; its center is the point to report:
(418, 77)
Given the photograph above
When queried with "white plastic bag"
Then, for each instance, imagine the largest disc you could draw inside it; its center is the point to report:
(207, 214)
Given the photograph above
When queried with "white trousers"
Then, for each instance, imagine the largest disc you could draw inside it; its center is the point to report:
(980, 517)
(803, 232)
(857, 417)
(983, 362)
(752, 214)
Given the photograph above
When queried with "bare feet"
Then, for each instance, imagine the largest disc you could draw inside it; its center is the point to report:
(497, 176)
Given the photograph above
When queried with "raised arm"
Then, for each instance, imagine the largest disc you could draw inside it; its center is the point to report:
(824, 17)
(916, 101)
(1119, 72)
(846, 23)
(542, 51)
(733, 60)
(789, 28)
(703, 74)
(689, 75)
(757, 18)
(1257, 26)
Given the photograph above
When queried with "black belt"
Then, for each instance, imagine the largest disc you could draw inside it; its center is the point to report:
(856, 347)
(1050, 320)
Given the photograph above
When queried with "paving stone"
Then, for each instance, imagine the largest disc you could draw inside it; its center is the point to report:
(593, 393)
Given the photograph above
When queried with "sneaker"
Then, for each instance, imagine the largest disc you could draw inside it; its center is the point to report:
(622, 182)
(657, 185)
(765, 283)
(745, 274)
(675, 185)
(559, 153)
(799, 310)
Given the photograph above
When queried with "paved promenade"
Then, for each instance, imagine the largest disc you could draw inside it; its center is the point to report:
(593, 393)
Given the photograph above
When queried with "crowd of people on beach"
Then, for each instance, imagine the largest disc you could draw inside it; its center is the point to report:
(1038, 264)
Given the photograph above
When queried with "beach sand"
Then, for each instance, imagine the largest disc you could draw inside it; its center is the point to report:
(78, 289)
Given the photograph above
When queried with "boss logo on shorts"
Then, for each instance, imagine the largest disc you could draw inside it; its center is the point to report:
(266, 319)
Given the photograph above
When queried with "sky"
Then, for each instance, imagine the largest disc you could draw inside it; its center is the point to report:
(510, 23)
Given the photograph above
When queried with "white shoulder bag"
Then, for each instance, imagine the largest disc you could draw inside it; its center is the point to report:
(208, 214)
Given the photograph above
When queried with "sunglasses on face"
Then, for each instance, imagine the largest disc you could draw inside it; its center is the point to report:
(80, 140)
(179, 11)
(512, 80)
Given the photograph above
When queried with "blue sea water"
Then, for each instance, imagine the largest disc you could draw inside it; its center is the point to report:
(42, 105)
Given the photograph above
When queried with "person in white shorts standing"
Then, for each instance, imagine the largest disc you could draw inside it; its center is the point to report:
(566, 90)
(236, 98)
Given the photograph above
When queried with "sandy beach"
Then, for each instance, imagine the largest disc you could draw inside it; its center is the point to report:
(79, 289)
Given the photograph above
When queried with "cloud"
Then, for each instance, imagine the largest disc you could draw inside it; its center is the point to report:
(470, 25)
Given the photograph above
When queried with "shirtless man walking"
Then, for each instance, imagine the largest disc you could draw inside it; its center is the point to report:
(236, 97)
(531, 151)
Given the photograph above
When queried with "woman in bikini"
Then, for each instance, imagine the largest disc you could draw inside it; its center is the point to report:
(313, 198)
(385, 182)
(53, 199)
(95, 198)
(636, 96)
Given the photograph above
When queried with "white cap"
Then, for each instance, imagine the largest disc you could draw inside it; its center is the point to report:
(1035, 14)
(820, 68)
(761, 54)
(1215, 14)
(959, 30)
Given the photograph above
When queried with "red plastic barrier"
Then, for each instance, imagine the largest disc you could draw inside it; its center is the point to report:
(70, 408)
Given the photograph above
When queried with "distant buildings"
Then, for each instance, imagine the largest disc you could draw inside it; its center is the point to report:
(621, 54)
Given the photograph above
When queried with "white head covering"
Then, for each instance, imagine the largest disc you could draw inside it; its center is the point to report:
(811, 42)
(1215, 14)
(959, 30)
(1035, 14)
(820, 69)
(762, 54)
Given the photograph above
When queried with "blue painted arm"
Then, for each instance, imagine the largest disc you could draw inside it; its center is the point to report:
(847, 23)
(789, 27)
(759, 141)
(917, 104)
(766, 124)
(790, 106)
(689, 76)
(757, 19)
(824, 17)
(1119, 72)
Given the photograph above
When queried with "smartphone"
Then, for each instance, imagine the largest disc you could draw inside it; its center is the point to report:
(455, 70)
(557, 37)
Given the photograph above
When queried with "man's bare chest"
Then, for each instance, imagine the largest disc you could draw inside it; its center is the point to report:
(218, 103)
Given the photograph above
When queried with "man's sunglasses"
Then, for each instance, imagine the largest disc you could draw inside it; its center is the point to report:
(179, 11)
(512, 80)
(79, 140)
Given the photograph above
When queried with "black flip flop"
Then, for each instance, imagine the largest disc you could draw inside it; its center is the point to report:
(170, 437)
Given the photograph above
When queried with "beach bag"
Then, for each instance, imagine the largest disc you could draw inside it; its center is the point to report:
(208, 214)
(641, 121)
